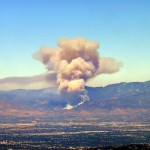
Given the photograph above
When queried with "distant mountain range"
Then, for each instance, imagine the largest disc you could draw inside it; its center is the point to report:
(118, 98)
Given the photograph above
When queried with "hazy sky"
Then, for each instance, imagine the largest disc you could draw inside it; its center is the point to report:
(122, 27)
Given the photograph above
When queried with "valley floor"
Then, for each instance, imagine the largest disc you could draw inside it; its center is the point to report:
(45, 133)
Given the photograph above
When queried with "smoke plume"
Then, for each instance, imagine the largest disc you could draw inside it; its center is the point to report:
(109, 65)
(75, 61)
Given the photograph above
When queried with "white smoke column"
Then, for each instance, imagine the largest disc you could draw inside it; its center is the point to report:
(75, 61)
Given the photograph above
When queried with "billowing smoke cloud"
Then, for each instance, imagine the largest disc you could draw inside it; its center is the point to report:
(75, 61)
(109, 65)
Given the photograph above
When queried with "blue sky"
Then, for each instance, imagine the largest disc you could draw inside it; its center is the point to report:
(122, 27)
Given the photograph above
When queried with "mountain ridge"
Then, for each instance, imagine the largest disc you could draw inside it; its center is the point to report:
(119, 98)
